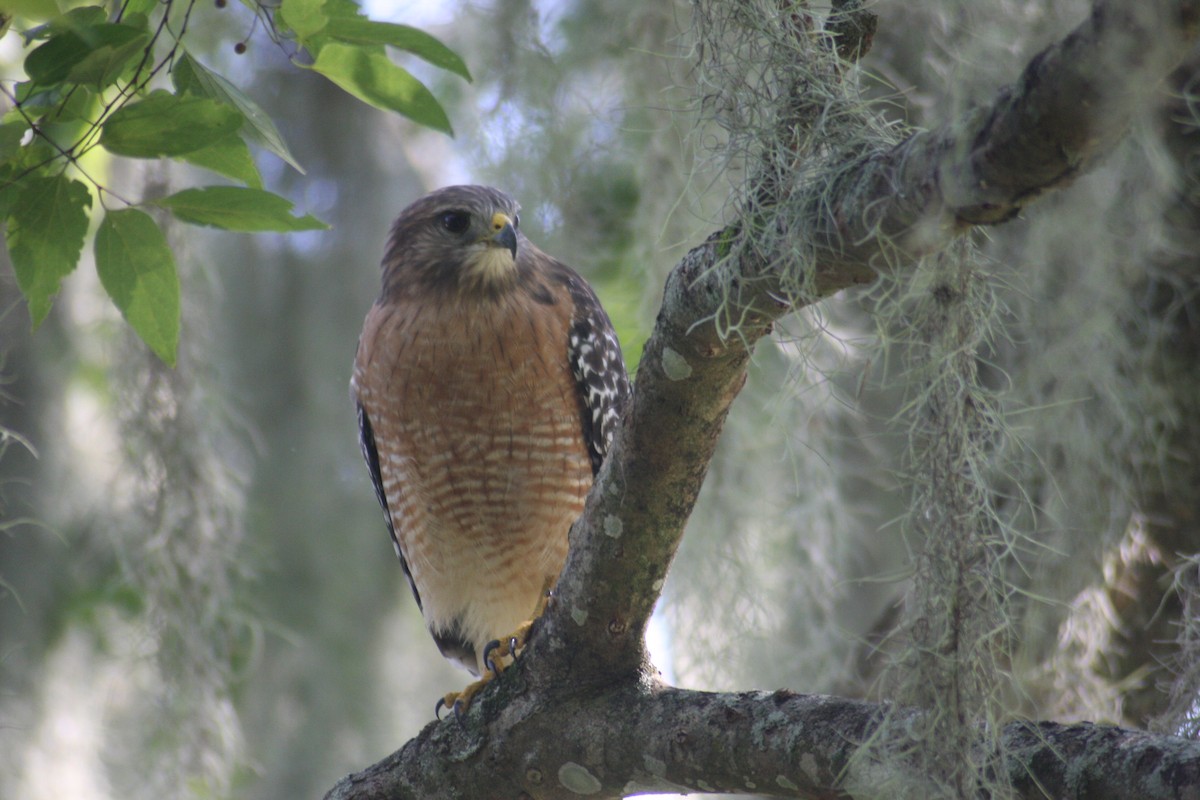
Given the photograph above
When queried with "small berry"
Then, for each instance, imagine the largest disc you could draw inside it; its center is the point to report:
(221, 3)
(239, 48)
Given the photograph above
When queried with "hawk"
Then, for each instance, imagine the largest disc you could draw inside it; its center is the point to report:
(489, 382)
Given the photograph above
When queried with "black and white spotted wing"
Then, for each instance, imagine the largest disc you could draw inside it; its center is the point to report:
(599, 369)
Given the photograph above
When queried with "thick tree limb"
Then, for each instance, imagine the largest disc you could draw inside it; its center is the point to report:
(581, 714)
(640, 737)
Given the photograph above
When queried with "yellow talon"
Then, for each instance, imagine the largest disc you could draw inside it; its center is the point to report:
(459, 702)
(493, 661)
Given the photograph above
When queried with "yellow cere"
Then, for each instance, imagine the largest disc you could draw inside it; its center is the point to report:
(499, 220)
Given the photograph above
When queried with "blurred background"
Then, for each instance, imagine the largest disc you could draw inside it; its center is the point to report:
(198, 597)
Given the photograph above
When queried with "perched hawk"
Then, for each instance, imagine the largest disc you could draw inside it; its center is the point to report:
(489, 382)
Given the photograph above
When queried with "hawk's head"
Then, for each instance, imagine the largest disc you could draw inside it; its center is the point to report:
(461, 237)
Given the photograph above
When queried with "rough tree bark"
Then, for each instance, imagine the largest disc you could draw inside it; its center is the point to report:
(583, 711)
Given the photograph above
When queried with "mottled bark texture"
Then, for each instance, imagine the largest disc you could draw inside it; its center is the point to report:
(582, 713)
(636, 738)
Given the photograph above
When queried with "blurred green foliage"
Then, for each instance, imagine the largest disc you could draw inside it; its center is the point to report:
(93, 77)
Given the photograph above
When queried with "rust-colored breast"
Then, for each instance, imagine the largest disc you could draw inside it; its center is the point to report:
(476, 418)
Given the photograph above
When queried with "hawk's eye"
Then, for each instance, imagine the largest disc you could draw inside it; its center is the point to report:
(456, 221)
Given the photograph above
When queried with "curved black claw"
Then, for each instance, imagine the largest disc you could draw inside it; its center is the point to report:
(456, 708)
(488, 663)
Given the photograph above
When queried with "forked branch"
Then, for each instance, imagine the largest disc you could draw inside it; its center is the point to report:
(583, 713)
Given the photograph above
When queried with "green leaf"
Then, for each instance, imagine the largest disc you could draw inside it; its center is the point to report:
(137, 270)
(137, 18)
(404, 37)
(34, 155)
(236, 209)
(120, 45)
(142, 7)
(58, 104)
(165, 124)
(82, 17)
(96, 54)
(183, 76)
(10, 188)
(304, 17)
(11, 133)
(192, 77)
(370, 76)
(51, 62)
(62, 116)
(31, 96)
(229, 157)
(45, 236)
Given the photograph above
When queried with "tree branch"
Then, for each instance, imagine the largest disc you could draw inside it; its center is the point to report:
(1072, 103)
(642, 737)
(580, 713)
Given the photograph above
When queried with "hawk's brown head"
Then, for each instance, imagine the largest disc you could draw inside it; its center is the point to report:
(460, 238)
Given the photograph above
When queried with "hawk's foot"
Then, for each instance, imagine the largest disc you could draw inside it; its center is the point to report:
(495, 654)
(498, 649)
(458, 702)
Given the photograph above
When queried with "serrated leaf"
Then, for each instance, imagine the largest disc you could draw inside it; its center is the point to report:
(45, 236)
(137, 270)
(371, 77)
(229, 157)
(192, 77)
(404, 37)
(165, 124)
(236, 209)
(304, 17)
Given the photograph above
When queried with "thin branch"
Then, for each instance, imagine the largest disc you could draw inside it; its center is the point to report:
(1072, 103)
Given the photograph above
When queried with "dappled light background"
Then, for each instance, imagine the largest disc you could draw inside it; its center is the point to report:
(198, 597)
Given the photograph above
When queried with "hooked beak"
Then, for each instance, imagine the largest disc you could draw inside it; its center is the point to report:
(504, 234)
